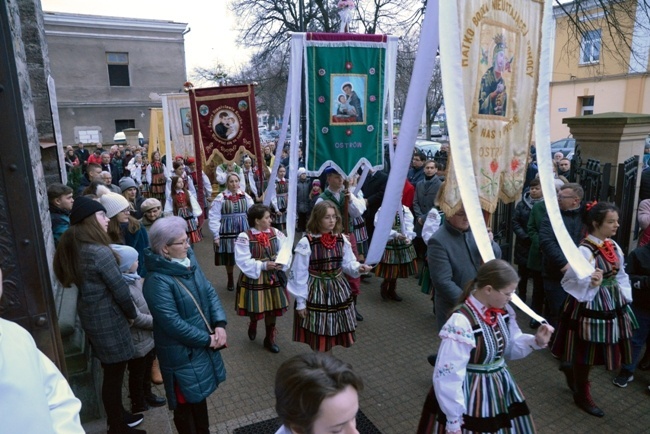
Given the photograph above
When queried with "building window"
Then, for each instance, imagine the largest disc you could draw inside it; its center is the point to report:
(587, 105)
(118, 69)
(590, 47)
(123, 124)
(88, 136)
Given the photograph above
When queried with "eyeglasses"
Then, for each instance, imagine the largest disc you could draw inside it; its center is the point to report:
(126, 211)
(185, 242)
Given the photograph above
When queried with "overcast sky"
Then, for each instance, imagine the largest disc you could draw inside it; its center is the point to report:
(212, 37)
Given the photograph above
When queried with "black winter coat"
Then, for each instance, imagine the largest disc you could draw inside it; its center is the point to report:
(553, 260)
(520, 226)
(638, 268)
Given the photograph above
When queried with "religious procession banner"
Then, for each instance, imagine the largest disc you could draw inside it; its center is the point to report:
(345, 93)
(178, 116)
(156, 133)
(496, 49)
(224, 126)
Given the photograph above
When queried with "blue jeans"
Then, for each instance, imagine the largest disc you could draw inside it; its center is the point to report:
(639, 337)
(555, 296)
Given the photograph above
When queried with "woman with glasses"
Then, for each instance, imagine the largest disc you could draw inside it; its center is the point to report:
(84, 258)
(188, 322)
(123, 228)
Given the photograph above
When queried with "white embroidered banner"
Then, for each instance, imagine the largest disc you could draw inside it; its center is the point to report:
(179, 118)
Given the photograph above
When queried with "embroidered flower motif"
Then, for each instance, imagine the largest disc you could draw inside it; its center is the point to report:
(321, 99)
(370, 128)
(321, 72)
(514, 164)
(348, 65)
(371, 71)
(494, 166)
(325, 130)
(372, 98)
(444, 370)
(348, 132)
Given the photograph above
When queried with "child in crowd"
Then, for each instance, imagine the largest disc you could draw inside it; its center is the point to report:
(480, 334)
(60, 198)
(315, 192)
(142, 398)
(280, 201)
(399, 256)
(185, 205)
(303, 200)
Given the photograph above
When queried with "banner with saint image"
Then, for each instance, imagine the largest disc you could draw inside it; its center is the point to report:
(224, 126)
(345, 99)
(498, 56)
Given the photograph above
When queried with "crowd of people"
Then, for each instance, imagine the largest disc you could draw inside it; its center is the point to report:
(125, 240)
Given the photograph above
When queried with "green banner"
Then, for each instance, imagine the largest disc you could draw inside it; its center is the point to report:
(345, 95)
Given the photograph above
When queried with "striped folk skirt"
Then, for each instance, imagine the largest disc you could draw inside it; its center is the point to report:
(361, 235)
(398, 260)
(231, 226)
(259, 297)
(598, 332)
(330, 317)
(192, 227)
(493, 400)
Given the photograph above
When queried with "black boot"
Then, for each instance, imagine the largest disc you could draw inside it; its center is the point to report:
(567, 369)
(356, 312)
(231, 284)
(583, 399)
(252, 330)
(391, 291)
(384, 290)
(269, 340)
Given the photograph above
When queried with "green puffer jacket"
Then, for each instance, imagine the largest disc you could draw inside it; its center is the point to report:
(181, 336)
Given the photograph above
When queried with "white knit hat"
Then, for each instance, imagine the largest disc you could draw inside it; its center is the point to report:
(114, 203)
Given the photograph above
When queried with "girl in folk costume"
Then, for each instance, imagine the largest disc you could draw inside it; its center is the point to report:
(597, 322)
(179, 170)
(185, 205)
(474, 390)
(227, 221)
(324, 307)
(260, 293)
(280, 202)
(248, 178)
(156, 175)
(399, 256)
(144, 188)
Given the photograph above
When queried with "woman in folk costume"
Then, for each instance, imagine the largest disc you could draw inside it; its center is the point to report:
(474, 390)
(399, 256)
(185, 205)
(179, 170)
(260, 293)
(597, 323)
(248, 178)
(156, 175)
(324, 307)
(227, 221)
(221, 174)
(280, 201)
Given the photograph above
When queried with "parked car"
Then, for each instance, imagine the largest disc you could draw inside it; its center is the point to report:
(436, 131)
(566, 146)
(428, 147)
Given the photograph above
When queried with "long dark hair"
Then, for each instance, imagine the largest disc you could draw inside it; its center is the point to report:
(497, 273)
(596, 213)
(67, 263)
(116, 231)
(173, 194)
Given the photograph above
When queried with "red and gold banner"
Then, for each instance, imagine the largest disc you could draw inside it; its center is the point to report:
(224, 120)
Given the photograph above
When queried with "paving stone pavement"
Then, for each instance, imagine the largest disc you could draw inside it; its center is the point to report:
(390, 354)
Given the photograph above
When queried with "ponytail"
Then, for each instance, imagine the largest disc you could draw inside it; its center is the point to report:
(469, 288)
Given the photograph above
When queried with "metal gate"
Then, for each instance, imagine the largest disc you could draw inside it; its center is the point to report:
(625, 195)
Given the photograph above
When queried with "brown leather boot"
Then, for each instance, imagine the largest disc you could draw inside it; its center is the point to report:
(391, 291)
(583, 399)
(269, 340)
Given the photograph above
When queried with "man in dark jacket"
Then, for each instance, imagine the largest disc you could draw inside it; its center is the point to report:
(416, 172)
(373, 192)
(425, 198)
(638, 268)
(522, 245)
(554, 263)
(82, 154)
(454, 260)
(303, 203)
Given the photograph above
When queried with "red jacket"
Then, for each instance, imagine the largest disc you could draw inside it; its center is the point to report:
(408, 194)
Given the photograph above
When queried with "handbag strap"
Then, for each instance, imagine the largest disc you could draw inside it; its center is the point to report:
(205, 320)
